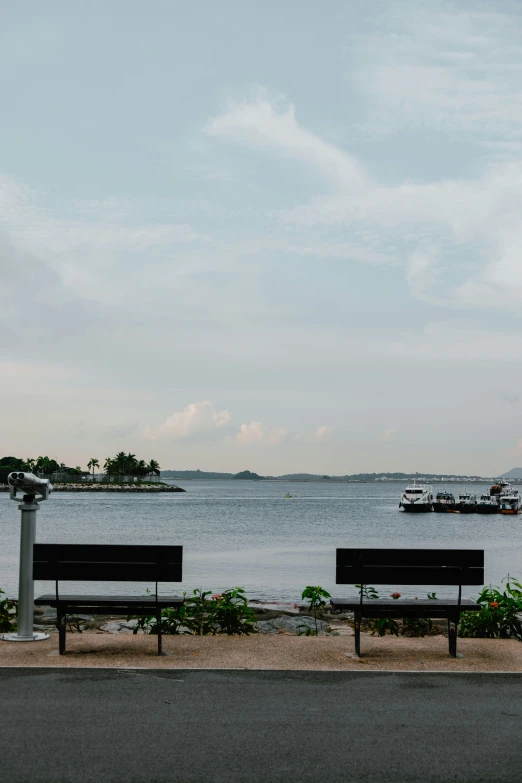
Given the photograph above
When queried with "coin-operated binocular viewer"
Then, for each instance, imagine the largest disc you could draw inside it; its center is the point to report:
(30, 486)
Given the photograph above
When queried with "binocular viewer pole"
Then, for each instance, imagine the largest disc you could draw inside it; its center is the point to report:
(28, 507)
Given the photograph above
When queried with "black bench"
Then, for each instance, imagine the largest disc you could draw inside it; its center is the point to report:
(107, 563)
(409, 567)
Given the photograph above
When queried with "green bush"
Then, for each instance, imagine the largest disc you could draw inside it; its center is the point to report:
(498, 616)
(232, 614)
(7, 613)
(316, 596)
(227, 612)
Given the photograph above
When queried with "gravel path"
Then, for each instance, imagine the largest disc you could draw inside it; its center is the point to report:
(261, 651)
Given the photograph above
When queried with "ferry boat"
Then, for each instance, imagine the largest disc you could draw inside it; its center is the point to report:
(466, 502)
(417, 498)
(444, 501)
(487, 504)
(509, 502)
(500, 488)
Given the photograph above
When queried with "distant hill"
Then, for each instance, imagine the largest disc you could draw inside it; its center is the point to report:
(194, 474)
(514, 473)
(247, 474)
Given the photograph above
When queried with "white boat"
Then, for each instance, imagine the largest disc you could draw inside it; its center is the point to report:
(445, 502)
(509, 501)
(466, 503)
(417, 498)
(487, 504)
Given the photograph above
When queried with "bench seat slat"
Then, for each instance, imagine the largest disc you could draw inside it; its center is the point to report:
(110, 601)
(107, 571)
(405, 608)
(463, 558)
(354, 603)
(408, 575)
(109, 552)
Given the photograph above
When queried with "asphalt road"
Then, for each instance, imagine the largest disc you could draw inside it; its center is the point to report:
(152, 725)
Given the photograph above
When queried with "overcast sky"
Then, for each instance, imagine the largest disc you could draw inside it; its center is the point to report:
(282, 236)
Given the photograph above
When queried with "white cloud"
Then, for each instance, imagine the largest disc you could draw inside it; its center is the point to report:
(464, 228)
(259, 123)
(421, 273)
(323, 432)
(277, 435)
(442, 67)
(196, 417)
(250, 433)
(255, 433)
(387, 434)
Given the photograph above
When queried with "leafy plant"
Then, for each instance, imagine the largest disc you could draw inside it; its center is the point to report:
(416, 626)
(498, 616)
(200, 612)
(232, 614)
(174, 620)
(383, 624)
(316, 595)
(367, 591)
(7, 613)
(226, 613)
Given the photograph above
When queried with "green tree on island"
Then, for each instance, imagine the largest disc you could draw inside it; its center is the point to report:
(128, 465)
(93, 463)
(154, 468)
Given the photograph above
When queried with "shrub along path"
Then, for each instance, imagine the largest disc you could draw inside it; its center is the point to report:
(261, 651)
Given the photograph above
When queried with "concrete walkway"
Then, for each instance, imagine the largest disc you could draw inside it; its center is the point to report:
(110, 725)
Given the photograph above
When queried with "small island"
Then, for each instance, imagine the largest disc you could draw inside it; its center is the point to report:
(248, 475)
(122, 473)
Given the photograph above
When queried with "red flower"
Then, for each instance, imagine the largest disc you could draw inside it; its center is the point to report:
(216, 597)
(395, 596)
(494, 604)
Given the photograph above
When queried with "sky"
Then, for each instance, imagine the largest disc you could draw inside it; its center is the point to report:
(280, 237)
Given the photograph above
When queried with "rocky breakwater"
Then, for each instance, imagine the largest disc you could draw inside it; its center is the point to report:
(136, 489)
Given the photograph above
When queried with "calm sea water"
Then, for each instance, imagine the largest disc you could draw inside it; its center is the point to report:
(246, 533)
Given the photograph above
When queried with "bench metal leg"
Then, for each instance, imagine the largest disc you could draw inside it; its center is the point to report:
(452, 637)
(160, 638)
(61, 625)
(357, 628)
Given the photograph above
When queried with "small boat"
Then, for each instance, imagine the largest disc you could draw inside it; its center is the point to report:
(467, 503)
(444, 501)
(510, 502)
(417, 498)
(487, 504)
(288, 495)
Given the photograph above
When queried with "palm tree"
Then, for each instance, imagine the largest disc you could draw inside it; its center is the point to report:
(93, 463)
(108, 466)
(154, 468)
(43, 464)
(119, 462)
(30, 463)
(131, 463)
(141, 468)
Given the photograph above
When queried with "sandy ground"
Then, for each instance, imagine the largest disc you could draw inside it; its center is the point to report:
(262, 651)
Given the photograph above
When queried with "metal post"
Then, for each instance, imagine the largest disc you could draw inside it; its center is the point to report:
(25, 632)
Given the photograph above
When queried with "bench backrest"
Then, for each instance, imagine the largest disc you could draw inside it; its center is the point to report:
(107, 563)
(410, 566)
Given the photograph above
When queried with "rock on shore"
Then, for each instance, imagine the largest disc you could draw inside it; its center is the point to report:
(103, 487)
